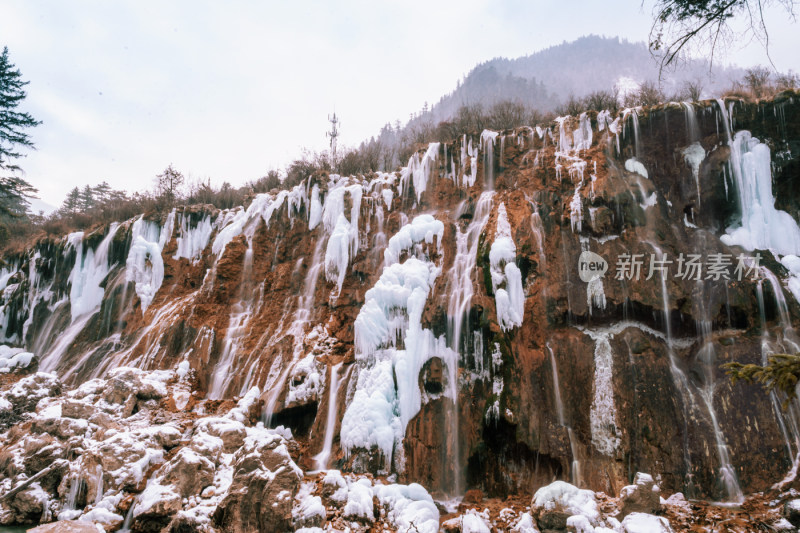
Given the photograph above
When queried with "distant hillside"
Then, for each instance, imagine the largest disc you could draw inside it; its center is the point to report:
(540, 83)
(545, 79)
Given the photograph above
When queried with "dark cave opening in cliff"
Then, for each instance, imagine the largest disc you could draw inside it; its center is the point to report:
(503, 466)
(299, 418)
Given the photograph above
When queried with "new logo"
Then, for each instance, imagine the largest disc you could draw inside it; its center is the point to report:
(591, 266)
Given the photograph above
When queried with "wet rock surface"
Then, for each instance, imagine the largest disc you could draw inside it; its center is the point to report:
(259, 304)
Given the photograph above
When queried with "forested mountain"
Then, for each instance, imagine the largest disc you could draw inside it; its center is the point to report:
(545, 79)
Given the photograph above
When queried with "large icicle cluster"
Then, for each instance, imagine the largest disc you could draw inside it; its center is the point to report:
(762, 226)
(234, 223)
(468, 153)
(145, 266)
(391, 346)
(419, 171)
(91, 268)
(506, 277)
(344, 236)
(423, 229)
(603, 415)
(192, 240)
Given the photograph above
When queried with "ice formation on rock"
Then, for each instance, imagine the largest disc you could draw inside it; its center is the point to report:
(506, 276)
(391, 346)
(91, 268)
(762, 225)
(192, 240)
(145, 266)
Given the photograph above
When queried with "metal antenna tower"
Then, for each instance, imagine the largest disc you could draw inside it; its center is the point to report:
(333, 134)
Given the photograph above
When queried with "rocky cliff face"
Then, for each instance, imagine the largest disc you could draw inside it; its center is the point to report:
(433, 323)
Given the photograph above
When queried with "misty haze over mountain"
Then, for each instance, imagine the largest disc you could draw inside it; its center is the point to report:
(545, 79)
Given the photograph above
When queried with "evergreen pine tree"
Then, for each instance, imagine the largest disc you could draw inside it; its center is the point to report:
(102, 193)
(72, 203)
(87, 199)
(13, 190)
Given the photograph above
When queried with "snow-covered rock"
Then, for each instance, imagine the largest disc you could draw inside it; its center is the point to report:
(14, 358)
(334, 488)
(230, 432)
(409, 508)
(791, 511)
(579, 524)
(68, 526)
(263, 487)
(525, 524)
(553, 504)
(359, 502)
(641, 497)
(27, 392)
(645, 523)
(308, 511)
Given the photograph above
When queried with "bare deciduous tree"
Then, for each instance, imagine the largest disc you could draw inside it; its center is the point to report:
(680, 25)
(168, 184)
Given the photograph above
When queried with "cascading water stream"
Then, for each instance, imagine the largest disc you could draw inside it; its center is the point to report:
(707, 355)
(99, 486)
(297, 329)
(692, 128)
(126, 525)
(688, 403)
(72, 496)
(764, 227)
(238, 321)
(575, 474)
(637, 143)
(487, 143)
(322, 458)
(460, 285)
(85, 298)
(788, 419)
(461, 290)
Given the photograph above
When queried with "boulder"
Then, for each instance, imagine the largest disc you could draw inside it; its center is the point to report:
(791, 511)
(206, 445)
(645, 523)
(334, 489)
(109, 519)
(103, 420)
(66, 526)
(27, 392)
(359, 506)
(473, 496)
(525, 524)
(452, 526)
(188, 472)
(230, 431)
(579, 524)
(127, 386)
(644, 496)
(77, 409)
(553, 504)
(126, 456)
(27, 505)
(156, 507)
(309, 512)
(265, 482)
(185, 523)
(59, 426)
(783, 525)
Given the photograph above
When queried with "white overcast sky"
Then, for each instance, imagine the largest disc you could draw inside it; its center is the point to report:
(228, 90)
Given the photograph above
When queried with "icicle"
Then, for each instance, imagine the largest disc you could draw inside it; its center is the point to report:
(576, 211)
(603, 414)
(762, 226)
(89, 271)
(506, 276)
